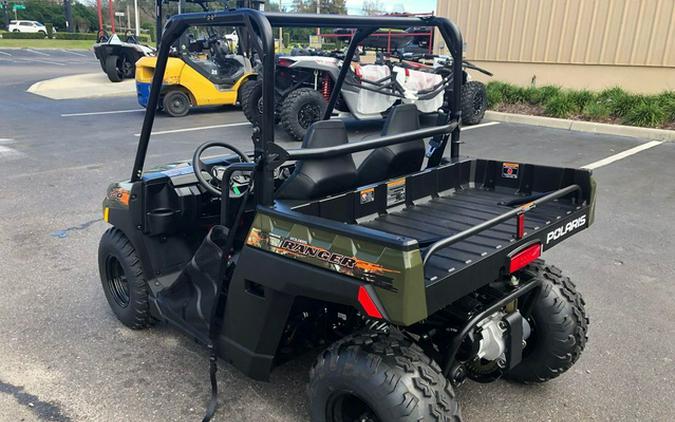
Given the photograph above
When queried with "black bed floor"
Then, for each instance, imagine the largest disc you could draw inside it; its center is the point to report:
(460, 210)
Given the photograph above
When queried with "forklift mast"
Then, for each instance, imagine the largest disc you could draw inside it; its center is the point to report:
(159, 22)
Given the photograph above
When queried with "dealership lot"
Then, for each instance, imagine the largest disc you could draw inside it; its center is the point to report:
(66, 358)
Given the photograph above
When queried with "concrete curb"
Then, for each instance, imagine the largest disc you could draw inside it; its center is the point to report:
(583, 126)
(85, 85)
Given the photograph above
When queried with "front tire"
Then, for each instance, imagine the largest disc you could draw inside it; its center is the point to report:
(376, 376)
(122, 279)
(113, 69)
(176, 103)
(474, 102)
(559, 327)
(300, 109)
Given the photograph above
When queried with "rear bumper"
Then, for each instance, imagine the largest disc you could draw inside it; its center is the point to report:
(143, 93)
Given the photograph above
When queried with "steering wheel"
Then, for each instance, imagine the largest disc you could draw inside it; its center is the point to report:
(216, 171)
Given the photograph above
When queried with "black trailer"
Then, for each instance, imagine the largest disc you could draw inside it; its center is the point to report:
(406, 278)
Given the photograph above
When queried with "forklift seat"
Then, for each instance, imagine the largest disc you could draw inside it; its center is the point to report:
(316, 178)
(398, 159)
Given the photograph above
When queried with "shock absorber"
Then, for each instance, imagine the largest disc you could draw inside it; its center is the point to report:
(325, 87)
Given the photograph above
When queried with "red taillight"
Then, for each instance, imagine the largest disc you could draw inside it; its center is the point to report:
(284, 62)
(367, 303)
(520, 229)
(524, 257)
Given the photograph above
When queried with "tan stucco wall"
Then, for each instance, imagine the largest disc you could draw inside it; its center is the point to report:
(645, 80)
(573, 43)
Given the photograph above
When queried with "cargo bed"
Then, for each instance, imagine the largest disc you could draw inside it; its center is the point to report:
(466, 217)
(452, 213)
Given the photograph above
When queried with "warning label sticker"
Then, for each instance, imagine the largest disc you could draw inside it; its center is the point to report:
(510, 170)
(367, 196)
(395, 192)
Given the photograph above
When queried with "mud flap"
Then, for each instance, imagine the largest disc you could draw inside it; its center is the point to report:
(189, 302)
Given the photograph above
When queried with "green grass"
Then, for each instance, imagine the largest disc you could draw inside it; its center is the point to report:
(562, 105)
(613, 104)
(81, 44)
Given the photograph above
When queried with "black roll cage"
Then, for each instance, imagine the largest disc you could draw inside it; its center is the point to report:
(268, 156)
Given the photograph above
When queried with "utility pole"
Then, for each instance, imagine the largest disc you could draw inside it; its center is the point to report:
(5, 12)
(138, 25)
(128, 18)
(318, 12)
(68, 12)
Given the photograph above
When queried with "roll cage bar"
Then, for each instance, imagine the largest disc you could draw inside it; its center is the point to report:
(268, 156)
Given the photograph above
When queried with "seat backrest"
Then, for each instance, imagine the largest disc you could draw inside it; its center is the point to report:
(394, 160)
(313, 179)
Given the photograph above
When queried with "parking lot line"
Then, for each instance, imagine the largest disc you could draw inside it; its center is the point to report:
(7, 54)
(73, 52)
(192, 129)
(40, 61)
(96, 113)
(464, 128)
(621, 155)
(37, 52)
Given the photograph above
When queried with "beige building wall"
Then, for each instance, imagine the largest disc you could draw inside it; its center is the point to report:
(590, 44)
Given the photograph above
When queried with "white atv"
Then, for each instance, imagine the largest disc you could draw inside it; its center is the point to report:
(304, 84)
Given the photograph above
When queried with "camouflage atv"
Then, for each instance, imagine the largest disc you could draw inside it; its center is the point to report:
(402, 280)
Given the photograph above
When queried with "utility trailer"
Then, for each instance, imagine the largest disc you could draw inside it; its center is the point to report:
(405, 279)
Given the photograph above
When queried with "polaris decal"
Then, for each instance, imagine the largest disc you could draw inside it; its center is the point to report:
(566, 229)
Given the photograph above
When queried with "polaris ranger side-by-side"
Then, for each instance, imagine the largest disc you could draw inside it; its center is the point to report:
(406, 279)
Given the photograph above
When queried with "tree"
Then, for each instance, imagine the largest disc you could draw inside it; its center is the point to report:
(333, 7)
(372, 8)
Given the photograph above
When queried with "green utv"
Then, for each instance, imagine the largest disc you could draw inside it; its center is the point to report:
(405, 279)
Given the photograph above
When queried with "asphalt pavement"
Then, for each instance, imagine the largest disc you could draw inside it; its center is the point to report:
(65, 357)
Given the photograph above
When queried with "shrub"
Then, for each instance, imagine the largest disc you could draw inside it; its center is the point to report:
(543, 94)
(24, 35)
(74, 36)
(647, 112)
(50, 30)
(494, 95)
(561, 105)
(596, 111)
(581, 98)
(666, 101)
(618, 101)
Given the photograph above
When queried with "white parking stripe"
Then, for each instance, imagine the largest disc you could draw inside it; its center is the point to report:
(72, 52)
(464, 128)
(621, 155)
(40, 61)
(7, 54)
(9, 153)
(37, 52)
(96, 113)
(191, 129)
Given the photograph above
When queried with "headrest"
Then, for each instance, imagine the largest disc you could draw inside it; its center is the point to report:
(325, 133)
(402, 118)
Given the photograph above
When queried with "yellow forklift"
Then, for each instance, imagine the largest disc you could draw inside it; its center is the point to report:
(208, 67)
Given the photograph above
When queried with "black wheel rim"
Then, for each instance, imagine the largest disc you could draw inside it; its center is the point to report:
(118, 285)
(119, 67)
(348, 407)
(178, 104)
(308, 114)
(127, 67)
(477, 103)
